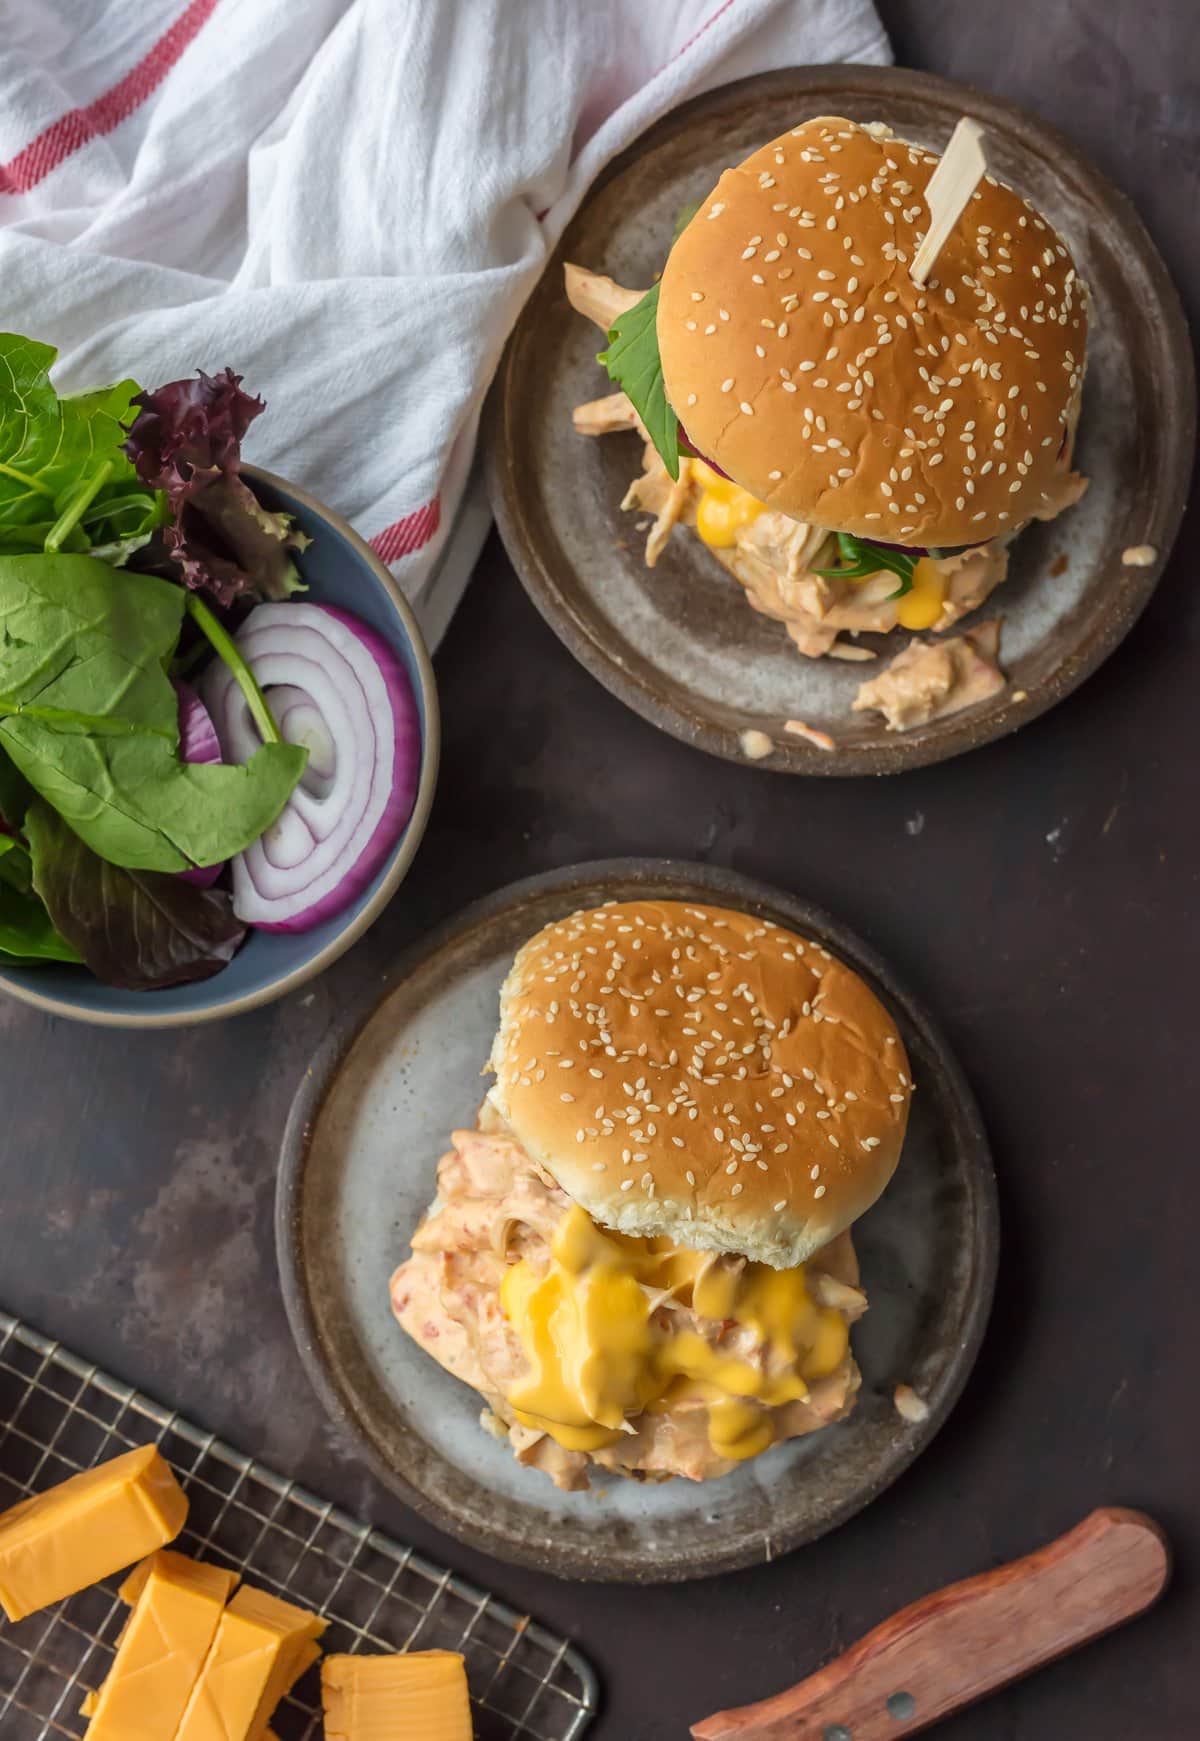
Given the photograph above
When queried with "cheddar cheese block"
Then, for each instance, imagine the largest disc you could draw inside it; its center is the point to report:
(91, 1526)
(262, 1646)
(421, 1696)
(177, 1607)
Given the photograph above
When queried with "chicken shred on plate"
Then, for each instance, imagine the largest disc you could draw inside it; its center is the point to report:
(931, 679)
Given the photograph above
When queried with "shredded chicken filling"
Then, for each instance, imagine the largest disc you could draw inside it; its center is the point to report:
(651, 1361)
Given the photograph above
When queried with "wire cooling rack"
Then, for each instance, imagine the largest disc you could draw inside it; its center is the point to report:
(59, 1414)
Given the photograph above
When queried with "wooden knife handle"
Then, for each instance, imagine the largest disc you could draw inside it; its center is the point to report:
(954, 1646)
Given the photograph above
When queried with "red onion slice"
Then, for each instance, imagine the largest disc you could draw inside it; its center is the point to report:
(197, 743)
(690, 448)
(335, 686)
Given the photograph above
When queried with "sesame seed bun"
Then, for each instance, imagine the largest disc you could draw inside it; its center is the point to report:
(701, 1075)
(802, 358)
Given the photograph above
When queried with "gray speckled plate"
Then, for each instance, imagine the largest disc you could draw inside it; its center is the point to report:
(365, 1132)
(679, 643)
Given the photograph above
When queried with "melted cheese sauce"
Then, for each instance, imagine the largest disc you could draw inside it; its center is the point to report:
(921, 608)
(724, 507)
(597, 1354)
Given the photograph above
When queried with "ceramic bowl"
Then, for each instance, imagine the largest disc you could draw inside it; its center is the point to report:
(339, 568)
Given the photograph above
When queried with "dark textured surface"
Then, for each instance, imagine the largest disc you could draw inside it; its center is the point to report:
(360, 1136)
(1040, 893)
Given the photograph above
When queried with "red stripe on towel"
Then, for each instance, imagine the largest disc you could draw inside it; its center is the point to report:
(405, 536)
(62, 138)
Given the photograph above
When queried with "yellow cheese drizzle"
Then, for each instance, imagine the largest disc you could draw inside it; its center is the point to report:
(723, 507)
(921, 608)
(597, 1356)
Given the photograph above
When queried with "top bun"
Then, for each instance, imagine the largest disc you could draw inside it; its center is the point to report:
(802, 359)
(701, 1075)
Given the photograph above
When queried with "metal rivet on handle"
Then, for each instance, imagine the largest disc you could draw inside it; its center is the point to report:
(837, 1732)
(902, 1706)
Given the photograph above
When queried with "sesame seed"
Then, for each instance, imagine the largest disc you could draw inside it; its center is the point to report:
(819, 1192)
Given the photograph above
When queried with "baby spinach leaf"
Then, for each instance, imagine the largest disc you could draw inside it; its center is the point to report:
(15, 868)
(15, 792)
(137, 930)
(859, 559)
(27, 934)
(57, 453)
(633, 362)
(89, 717)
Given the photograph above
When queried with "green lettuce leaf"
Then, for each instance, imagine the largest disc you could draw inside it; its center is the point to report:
(860, 559)
(15, 868)
(90, 719)
(633, 362)
(63, 468)
(28, 936)
(137, 930)
(15, 793)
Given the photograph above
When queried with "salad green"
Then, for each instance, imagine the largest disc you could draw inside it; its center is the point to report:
(138, 930)
(65, 482)
(859, 558)
(118, 509)
(133, 553)
(633, 362)
(89, 716)
(28, 935)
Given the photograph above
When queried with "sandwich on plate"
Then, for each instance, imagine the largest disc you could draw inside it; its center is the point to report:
(641, 1257)
(858, 449)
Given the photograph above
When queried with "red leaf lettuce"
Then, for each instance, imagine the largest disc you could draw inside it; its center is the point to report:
(186, 441)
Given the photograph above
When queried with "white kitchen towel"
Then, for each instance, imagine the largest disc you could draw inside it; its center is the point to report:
(346, 201)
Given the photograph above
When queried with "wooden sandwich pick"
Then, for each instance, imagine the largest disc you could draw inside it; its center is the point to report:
(952, 1647)
(951, 185)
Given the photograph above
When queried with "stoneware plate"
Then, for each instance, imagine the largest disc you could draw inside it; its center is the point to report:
(359, 1153)
(679, 643)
